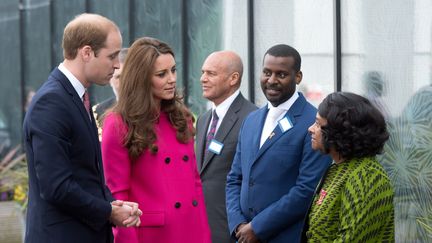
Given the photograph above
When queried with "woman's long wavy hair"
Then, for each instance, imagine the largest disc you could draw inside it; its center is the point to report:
(137, 106)
(355, 128)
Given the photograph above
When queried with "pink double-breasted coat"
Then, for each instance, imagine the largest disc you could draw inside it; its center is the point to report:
(165, 184)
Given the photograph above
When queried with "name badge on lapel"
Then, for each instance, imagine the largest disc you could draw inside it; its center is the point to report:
(285, 124)
(215, 146)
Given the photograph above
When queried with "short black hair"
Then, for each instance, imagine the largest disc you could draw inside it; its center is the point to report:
(282, 50)
(355, 128)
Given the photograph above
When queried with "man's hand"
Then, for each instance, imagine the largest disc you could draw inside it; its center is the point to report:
(245, 234)
(125, 213)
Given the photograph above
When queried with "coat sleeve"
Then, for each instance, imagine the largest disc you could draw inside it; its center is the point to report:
(117, 168)
(116, 163)
(292, 207)
(49, 132)
(233, 189)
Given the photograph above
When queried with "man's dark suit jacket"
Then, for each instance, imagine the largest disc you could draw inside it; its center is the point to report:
(68, 199)
(214, 168)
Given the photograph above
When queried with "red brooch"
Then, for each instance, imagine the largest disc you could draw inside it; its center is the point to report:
(322, 194)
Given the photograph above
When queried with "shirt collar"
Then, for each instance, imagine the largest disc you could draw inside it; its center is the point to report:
(287, 104)
(223, 107)
(79, 88)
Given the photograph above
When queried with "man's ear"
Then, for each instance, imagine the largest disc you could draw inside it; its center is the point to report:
(234, 78)
(298, 77)
(86, 53)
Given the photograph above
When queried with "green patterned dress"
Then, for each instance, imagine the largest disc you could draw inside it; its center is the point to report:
(354, 204)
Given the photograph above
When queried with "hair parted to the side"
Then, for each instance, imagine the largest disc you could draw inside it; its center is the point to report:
(136, 104)
(355, 128)
(282, 50)
(86, 29)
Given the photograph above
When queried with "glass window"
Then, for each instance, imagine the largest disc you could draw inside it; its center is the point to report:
(386, 56)
(235, 35)
(10, 80)
(308, 27)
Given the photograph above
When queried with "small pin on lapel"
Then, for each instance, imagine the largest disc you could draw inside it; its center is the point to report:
(271, 135)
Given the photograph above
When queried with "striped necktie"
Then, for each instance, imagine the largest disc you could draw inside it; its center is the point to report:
(212, 131)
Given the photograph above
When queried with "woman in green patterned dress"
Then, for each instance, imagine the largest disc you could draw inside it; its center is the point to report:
(354, 200)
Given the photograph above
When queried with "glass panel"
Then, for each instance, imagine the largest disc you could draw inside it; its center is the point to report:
(62, 13)
(36, 45)
(10, 78)
(387, 57)
(204, 37)
(117, 11)
(305, 25)
(235, 35)
(155, 19)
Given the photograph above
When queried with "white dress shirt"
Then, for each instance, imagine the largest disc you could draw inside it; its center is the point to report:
(79, 88)
(281, 111)
(222, 109)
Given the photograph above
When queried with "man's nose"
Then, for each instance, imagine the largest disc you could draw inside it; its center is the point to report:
(272, 78)
(203, 78)
(116, 63)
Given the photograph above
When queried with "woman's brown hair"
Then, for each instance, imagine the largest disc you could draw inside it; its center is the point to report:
(136, 104)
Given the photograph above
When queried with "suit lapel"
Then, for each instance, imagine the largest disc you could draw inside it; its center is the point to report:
(292, 113)
(276, 134)
(91, 125)
(225, 127)
(75, 98)
(201, 137)
(256, 135)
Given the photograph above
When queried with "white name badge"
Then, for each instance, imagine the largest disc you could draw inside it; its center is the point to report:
(285, 124)
(215, 146)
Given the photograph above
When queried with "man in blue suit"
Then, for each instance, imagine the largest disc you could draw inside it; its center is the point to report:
(275, 170)
(68, 199)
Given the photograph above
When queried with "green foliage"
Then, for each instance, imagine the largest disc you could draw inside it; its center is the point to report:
(407, 158)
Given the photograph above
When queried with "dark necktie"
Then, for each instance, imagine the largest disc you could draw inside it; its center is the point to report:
(212, 131)
(86, 101)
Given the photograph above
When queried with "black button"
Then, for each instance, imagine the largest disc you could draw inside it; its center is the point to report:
(194, 203)
(251, 183)
(251, 210)
(167, 160)
(154, 148)
(177, 205)
(185, 158)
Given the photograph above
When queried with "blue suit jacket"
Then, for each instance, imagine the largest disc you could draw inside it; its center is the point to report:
(272, 186)
(68, 199)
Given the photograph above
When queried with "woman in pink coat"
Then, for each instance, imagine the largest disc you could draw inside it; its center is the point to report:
(148, 151)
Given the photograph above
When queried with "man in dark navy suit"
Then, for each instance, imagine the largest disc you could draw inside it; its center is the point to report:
(68, 199)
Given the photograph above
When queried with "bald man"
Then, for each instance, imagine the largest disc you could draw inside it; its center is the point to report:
(217, 132)
(68, 198)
